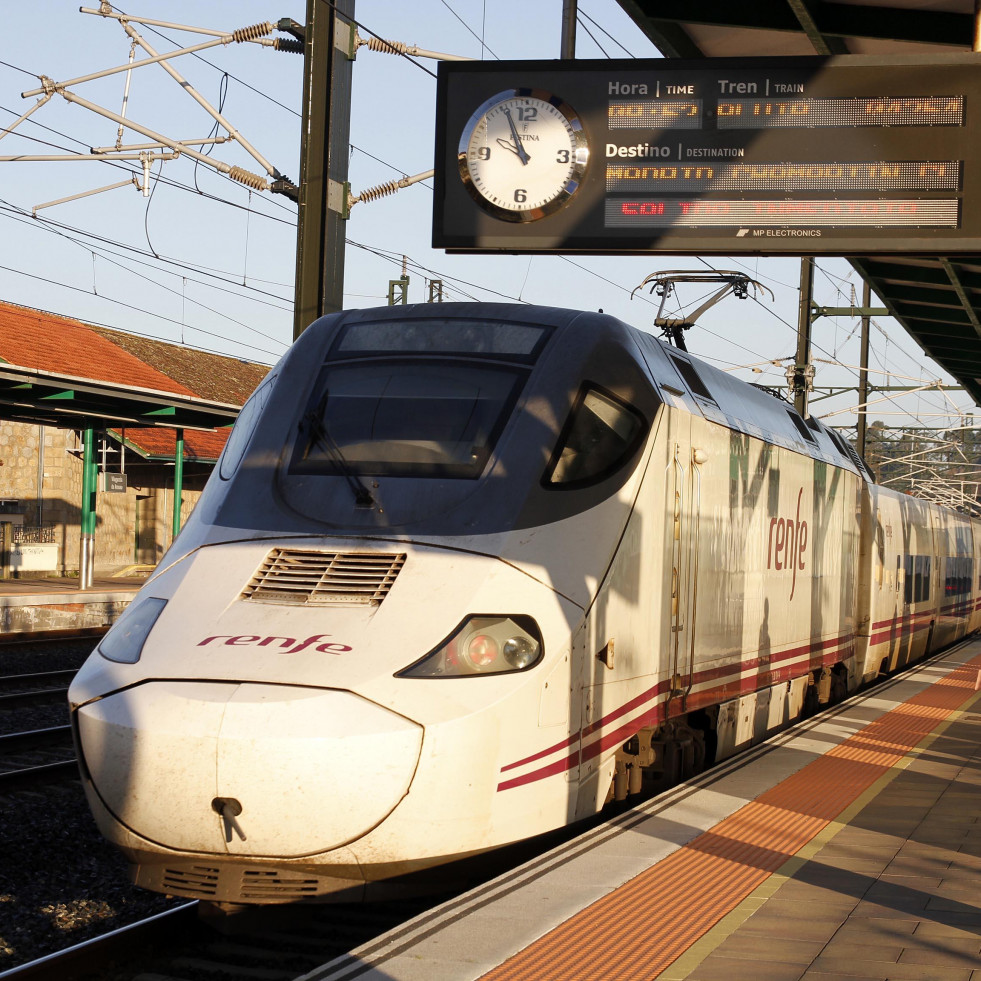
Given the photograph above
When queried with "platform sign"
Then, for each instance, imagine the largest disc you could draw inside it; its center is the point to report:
(807, 156)
(114, 483)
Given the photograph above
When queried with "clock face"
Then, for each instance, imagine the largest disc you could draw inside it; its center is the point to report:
(523, 154)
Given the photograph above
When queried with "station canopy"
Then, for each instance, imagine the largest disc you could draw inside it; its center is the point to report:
(933, 297)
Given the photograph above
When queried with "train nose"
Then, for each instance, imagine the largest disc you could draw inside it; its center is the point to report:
(247, 769)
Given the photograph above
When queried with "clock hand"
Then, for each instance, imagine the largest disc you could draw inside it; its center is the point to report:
(519, 149)
(507, 145)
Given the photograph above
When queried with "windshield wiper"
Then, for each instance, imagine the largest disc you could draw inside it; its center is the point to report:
(319, 435)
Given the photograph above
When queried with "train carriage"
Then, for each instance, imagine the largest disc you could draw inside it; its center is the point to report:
(465, 573)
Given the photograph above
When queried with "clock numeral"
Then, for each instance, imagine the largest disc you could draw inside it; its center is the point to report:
(520, 195)
(527, 114)
(562, 157)
(483, 153)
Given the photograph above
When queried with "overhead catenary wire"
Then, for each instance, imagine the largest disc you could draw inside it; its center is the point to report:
(226, 276)
(169, 181)
(475, 286)
(600, 27)
(219, 313)
(910, 413)
(131, 306)
(483, 43)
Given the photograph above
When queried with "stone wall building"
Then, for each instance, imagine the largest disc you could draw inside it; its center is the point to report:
(41, 465)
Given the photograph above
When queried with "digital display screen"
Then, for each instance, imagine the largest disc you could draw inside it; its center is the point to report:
(846, 155)
(801, 113)
(655, 115)
(873, 175)
(806, 213)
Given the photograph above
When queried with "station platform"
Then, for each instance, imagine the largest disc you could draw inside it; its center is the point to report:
(848, 847)
(46, 605)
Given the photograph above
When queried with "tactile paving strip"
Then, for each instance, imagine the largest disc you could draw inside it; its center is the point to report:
(636, 931)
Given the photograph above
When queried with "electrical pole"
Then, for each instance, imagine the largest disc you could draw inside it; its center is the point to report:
(802, 374)
(863, 374)
(569, 14)
(328, 54)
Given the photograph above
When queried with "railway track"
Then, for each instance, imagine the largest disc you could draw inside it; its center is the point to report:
(272, 943)
(35, 766)
(35, 739)
(89, 959)
(37, 688)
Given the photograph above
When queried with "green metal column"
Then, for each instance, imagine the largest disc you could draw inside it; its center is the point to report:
(86, 547)
(178, 478)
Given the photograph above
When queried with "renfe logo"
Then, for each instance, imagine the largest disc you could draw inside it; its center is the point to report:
(250, 640)
(788, 541)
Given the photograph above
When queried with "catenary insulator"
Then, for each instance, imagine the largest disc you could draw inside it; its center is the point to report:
(288, 44)
(373, 193)
(388, 47)
(249, 179)
(383, 190)
(252, 33)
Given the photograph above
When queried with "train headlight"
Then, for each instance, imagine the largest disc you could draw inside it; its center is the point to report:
(128, 634)
(482, 645)
(520, 651)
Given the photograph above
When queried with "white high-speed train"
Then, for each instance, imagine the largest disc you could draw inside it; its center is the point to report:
(465, 572)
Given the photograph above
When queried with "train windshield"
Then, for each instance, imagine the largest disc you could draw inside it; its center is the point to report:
(405, 418)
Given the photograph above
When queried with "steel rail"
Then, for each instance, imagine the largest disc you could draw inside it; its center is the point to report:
(40, 677)
(88, 957)
(33, 775)
(37, 696)
(17, 742)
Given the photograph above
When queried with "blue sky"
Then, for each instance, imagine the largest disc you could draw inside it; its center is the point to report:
(218, 274)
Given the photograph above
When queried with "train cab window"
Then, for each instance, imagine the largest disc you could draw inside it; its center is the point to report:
(599, 436)
(414, 418)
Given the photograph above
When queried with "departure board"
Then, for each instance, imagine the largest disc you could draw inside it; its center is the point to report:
(844, 155)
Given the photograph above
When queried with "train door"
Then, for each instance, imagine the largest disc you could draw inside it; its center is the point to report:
(641, 608)
(683, 499)
(974, 573)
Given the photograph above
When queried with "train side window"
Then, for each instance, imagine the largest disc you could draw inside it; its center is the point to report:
(242, 431)
(917, 578)
(959, 573)
(800, 426)
(599, 436)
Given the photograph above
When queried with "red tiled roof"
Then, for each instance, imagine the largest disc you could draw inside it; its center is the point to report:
(48, 342)
(159, 442)
(210, 376)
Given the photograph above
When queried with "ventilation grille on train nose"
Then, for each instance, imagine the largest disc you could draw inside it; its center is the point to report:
(196, 880)
(232, 883)
(274, 884)
(299, 577)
